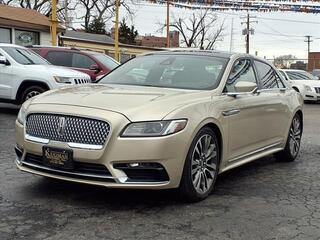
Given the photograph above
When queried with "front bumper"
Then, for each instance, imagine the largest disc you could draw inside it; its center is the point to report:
(161, 159)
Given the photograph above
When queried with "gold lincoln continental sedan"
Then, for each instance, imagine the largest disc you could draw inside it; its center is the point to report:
(173, 119)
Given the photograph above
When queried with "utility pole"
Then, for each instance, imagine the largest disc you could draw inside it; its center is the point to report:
(168, 23)
(308, 41)
(116, 33)
(247, 31)
(54, 23)
(231, 35)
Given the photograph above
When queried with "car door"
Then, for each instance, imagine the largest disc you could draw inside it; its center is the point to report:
(276, 97)
(6, 80)
(246, 114)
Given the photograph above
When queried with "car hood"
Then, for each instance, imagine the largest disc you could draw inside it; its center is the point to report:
(56, 71)
(135, 102)
(311, 83)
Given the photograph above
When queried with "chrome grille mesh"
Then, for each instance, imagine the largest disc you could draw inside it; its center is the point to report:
(77, 129)
(317, 89)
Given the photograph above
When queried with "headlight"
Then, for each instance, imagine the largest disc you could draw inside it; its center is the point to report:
(154, 129)
(307, 88)
(63, 79)
(22, 114)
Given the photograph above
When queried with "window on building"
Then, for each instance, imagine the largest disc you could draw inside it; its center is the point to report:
(5, 35)
(59, 58)
(242, 71)
(268, 77)
(82, 61)
(26, 38)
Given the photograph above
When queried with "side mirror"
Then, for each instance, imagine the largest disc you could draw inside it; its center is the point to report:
(95, 68)
(4, 61)
(245, 87)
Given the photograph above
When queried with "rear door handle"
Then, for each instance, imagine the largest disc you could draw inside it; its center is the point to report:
(230, 112)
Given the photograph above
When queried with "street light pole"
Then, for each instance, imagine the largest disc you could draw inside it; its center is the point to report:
(116, 33)
(54, 23)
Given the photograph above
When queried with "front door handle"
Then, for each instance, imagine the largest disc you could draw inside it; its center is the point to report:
(230, 112)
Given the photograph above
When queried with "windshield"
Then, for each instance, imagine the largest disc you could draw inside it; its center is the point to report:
(25, 56)
(170, 71)
(107, 61)
(300, 75)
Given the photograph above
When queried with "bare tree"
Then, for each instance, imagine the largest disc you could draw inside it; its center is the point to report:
(198, 30)
(284, 61)
(100, 9)
(42, 6)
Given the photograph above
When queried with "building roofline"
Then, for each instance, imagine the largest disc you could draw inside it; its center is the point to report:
(106, 43)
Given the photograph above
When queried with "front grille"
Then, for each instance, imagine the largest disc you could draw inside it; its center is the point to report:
(81, 80)
(76, 129)
(81, 170)
(317, 89)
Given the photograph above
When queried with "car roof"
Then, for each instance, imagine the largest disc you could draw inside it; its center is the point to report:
(193, 52)
(10, 45)
(215, 53)
(292, 70)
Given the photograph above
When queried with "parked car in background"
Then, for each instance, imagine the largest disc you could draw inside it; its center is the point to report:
(303, 82)
(93, 63)
(24, 74)
(190, 116)
(316, 72)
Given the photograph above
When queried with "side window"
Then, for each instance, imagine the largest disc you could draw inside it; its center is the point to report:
(82, 61)
(242, 70)
(59, 58)
(268, 77)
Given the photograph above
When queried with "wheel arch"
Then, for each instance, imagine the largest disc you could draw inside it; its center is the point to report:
(300, 113)
(214, 125)
(27, 83)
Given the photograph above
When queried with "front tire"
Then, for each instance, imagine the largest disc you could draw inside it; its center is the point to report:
(201, 166)
(30, 92)
(291, 150)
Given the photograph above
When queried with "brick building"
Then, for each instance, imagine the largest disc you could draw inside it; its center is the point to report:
(159, 42)
(313, 61)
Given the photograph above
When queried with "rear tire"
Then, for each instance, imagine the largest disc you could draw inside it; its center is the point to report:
(30, 92)
(291, 150)
(201, 167)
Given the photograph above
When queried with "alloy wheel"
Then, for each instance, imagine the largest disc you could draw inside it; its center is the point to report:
(31, 94)
(295, 136)
(204, 163)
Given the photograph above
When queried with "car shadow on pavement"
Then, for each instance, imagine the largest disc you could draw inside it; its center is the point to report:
(95, 196)
(10, 111)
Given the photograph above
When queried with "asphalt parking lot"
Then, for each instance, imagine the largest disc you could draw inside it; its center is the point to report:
(265, 199)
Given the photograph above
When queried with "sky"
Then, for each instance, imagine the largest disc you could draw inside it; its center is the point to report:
(276, 33)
